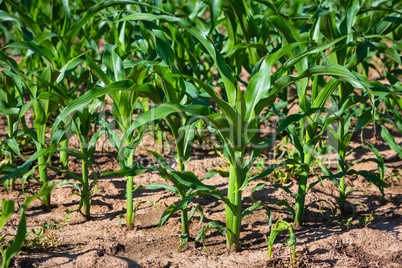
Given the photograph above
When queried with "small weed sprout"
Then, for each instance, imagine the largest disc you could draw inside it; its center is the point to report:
(46, 236)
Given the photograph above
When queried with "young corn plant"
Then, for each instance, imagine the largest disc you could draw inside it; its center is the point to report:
(167, 85)
(306, 136)
(122, 110)
(124, 87)
(188, 186)
(40, 52)
(54, 95)
(171, 89)
(239, 111)
(81, 126)
(174, 72)
(11, 103)
(281, 226)
(306, 149)
(44, 101)
(347, 103)
(60, 53)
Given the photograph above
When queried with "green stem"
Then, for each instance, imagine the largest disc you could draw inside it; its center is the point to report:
(129, 196)
(63, 154)
(341, 165)
(237, 220)
(85, 181)
(42, 165)
(293, 247)
(159, 138)
(301, 193)
(185, 225)
(126, 122)
(233, 221)
(229, 212)
(269, 252)
(10, 123)
(342, 195)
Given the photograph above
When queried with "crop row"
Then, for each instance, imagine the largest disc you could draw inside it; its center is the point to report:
(182, 68)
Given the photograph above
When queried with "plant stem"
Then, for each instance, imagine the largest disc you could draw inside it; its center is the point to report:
(237, 220)
(129, 196)
(85, 181)
(42, 165)
(159, 137)
(10, 123)
(301, 194)
(85, 190)
(292, 247)
(233, 221)
(229, 212)
(63, 154)
(341, 166)
(342, 195)
(185, 225)
(269, 251)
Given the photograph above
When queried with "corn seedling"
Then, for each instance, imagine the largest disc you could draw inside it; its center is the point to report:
(236, 124)
(281, 226)
(188, 67)
(81, 126)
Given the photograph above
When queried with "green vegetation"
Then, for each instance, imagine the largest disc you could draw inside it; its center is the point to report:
(191, 69)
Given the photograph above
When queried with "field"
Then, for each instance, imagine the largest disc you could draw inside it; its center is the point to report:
(201, 133)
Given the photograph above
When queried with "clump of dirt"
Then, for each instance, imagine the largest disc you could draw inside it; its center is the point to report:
(94, 250)
(302, 261)
(365, 259)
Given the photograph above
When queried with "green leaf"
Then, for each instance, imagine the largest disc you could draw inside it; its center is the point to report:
(226, 108)
(173, 208)
(204, 40)
(93, 11)
(255, 207)
(190, 179)
(9, 111)
(89, 96)
(162, 111)
(19, 172)
(290, 34)
(33, 47)
(336, 71)
(388, 24)
(97, 71)
(202, 234)
(7, 210)
(391, 141)
(134, 170)
(69, 67)
(114, 62)
(154, 186)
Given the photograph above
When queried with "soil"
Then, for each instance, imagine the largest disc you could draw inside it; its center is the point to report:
(323, 240)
